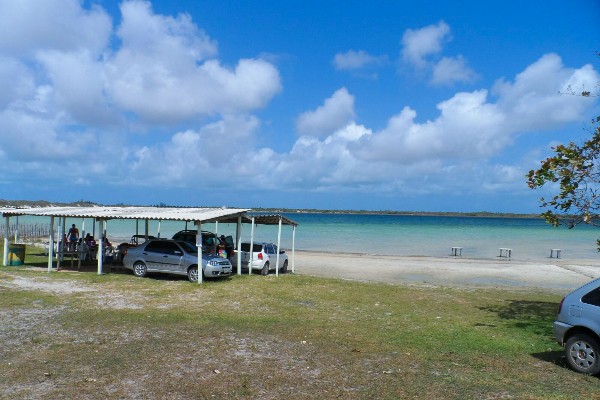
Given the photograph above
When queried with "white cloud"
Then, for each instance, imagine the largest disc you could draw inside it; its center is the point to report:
(62, 25)
(452, 69)
(420, 43)
(355, 60)
(163, 71)
(335, 113)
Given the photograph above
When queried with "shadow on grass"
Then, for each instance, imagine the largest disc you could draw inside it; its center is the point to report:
(533, 316)
(555, 357)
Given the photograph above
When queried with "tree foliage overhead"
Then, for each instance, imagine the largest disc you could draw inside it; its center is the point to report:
(576, 169)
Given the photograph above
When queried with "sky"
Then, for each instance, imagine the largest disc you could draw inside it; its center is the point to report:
(328, 104)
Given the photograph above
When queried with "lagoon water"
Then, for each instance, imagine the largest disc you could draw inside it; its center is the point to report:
(405, 235)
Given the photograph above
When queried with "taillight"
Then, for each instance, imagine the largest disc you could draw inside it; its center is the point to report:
(260, 256)
(560, 305)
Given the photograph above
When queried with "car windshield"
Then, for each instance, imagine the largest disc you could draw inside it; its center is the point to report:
(188, 247)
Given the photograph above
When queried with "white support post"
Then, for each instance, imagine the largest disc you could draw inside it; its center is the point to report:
(238, 241)
(199, 246)
(278, 248)
(158, 232)
(293, 248)
(217, 228)
(6, 232)
(51, 245)
(251, 255)
(17, 231)
(60, 241)
(101, 228)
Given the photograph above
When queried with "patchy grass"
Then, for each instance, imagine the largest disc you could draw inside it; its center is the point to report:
(83, 335)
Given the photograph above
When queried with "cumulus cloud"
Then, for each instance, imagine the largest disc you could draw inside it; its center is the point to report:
(418, 44)
(336, 112)
(452, 69)
(165, 71)
(29, 26)
(422, 48)
(355, 60)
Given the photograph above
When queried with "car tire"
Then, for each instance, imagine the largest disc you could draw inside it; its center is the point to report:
(139, 269)
(192, 274)
(265, 269)
(283, 269)
(583, 354)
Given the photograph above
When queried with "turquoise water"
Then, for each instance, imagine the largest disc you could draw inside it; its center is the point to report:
(530, 238)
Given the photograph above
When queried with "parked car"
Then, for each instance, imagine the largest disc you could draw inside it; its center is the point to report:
(264, 257)
(577, 328)
(173, 257)
(135, 241)
(210, 241)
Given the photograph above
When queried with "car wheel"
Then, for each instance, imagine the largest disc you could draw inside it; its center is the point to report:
(193, 274)
(265, 269)
(583, 354)
(283, 269)
(139, 269)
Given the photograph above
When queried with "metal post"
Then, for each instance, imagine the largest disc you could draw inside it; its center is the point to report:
(17, 231)
(251, 256)
(293, 248)
(101, 228)
(5, 258)
(199, 246)
(238, 241)
(278, 248)
(51, 245)
(60, 242)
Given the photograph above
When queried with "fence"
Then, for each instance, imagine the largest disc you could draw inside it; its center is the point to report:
(26, 231)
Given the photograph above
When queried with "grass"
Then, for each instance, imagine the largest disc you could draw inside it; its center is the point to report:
(292, 337)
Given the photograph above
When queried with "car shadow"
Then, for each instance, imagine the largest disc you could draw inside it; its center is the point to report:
(533, 316)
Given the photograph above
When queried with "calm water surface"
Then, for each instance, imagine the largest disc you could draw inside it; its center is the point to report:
(530, 238)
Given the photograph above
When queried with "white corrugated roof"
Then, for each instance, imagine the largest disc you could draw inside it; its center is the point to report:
(151, 213)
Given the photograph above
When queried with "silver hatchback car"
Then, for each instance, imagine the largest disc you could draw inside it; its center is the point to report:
(577, 327)
(173, 257)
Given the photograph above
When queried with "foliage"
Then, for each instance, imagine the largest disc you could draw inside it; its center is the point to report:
(576, 169)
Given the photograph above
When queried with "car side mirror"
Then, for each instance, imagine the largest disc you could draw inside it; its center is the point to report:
(281, 251)
(178, 253)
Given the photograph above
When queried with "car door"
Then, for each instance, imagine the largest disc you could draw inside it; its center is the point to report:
(272, 255)
(163, 256)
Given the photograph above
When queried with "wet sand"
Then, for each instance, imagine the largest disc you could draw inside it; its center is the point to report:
(559, 275)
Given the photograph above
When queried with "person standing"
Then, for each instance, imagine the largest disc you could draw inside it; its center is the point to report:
(73, 236)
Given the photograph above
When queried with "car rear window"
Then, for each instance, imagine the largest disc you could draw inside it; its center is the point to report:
(592, 297)
(257, 247)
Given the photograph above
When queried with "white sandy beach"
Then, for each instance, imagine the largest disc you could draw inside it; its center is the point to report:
(560, 275)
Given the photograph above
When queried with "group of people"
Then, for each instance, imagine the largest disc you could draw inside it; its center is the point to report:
(72, 241)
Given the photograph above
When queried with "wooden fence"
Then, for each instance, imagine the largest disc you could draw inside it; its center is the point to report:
(26, 231)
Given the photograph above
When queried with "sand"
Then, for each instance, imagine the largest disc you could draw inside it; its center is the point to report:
(559, 275)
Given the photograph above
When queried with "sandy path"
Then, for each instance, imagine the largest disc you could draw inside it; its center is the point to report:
(560, 275)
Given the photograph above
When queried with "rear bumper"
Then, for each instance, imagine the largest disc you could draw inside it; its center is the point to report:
(560, 329)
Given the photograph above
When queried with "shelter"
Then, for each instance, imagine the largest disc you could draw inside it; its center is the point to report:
(102, 214)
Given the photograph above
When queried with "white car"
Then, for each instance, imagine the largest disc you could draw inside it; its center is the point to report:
(264, 257)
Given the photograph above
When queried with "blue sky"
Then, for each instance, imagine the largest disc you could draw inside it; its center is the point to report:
(380, 105)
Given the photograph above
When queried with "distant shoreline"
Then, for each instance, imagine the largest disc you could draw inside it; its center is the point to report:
(478, 214)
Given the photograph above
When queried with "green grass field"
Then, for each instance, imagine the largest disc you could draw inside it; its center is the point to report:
(84, 335)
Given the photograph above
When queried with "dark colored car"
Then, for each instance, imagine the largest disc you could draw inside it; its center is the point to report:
(577, 327)
(210, 241)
